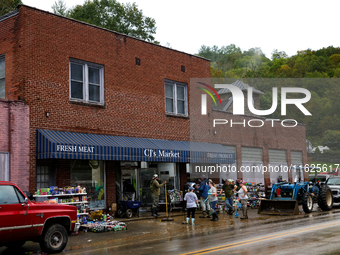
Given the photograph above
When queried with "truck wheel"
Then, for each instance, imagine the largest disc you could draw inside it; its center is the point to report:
(17, 244)
(325, 198)
(54, 239)
(307, 202)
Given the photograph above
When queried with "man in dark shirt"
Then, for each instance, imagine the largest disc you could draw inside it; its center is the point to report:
(229, 189)
(203, 194)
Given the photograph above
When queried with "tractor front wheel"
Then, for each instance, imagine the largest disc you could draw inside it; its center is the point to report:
(325, 198)
(307, 202)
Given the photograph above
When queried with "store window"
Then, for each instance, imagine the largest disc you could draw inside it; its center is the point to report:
(46, 177)
(4, 169)
(90, 174)
(2, 76)
(86, 82)
(43, 174)
(176, 98)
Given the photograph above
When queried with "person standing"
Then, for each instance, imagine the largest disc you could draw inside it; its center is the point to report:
(192, 202)
(203, 195)
(242, 194)
(229, 189)
(155, 193)
(213, 199)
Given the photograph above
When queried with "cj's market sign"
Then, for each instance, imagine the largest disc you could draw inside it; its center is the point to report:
(75, 148)
(90, 149)
(160, 153)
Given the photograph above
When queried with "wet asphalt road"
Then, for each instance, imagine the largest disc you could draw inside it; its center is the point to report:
(316, 233)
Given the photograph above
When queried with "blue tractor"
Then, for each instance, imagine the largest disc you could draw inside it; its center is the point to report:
(285, 197)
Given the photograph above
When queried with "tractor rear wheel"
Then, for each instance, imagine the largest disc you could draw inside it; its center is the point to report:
(325, 198)
(307, 202)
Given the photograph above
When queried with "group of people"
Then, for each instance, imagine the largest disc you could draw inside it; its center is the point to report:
(208, 199)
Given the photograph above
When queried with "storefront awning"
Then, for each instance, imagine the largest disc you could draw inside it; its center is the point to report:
(67, 145)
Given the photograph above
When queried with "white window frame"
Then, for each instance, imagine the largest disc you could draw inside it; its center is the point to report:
(86, 66)
(3, 57)
(5, 166)
(174, 94)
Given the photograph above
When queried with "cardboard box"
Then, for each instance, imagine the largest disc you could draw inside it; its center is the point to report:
(114, 207)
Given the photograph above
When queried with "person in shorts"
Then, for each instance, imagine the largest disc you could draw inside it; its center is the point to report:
(192, 202)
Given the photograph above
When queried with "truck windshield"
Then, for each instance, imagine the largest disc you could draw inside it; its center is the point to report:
(333, 181)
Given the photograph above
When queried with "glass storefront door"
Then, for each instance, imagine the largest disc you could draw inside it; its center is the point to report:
(166, 172)
(135, 179)
(145, 177)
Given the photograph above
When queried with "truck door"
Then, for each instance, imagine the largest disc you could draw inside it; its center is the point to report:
(13, 211)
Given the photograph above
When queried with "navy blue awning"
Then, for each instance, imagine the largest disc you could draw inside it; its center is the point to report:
(67, 145)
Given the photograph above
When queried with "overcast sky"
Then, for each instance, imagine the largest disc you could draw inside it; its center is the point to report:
(288, 26)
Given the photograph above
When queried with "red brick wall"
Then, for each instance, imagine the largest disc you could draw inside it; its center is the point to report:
(63, 172)
(111, 168)
(134, 95)
(4, 124)
(14, 138)
(9, 47)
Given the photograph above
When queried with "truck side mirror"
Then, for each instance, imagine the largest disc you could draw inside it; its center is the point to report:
(29, 195)
(26, 200)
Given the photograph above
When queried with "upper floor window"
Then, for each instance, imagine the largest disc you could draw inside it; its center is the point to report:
(86, 82)
(176, 98)
(2, 76)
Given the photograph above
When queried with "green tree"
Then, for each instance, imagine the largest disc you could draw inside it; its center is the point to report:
(278, 54)
(122, 18)
(332, 139)
(215, 73)
(7, 6)
(334, 60)
(301, 67)
(317, 64)
(60, 8)
(317, 150)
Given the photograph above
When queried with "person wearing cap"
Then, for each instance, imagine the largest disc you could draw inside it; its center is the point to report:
(229, 189)
(192, 202)
(203, 194)
(155, 193)
(242, 194)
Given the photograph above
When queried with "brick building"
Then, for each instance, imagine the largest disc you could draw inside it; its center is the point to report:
(104, 107)
(14, 142)
(108, 111)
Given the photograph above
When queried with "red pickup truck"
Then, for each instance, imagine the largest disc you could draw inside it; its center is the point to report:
(334, 172)
(23, 220)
